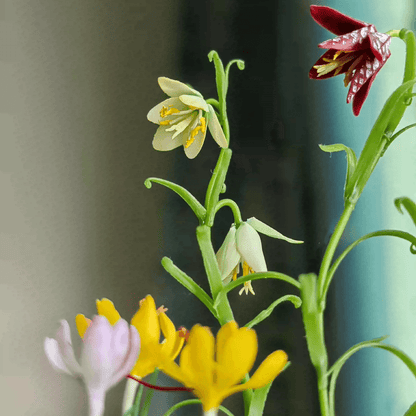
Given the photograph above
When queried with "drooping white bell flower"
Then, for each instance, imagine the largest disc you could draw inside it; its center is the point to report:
(183, 119)
(108, 354)
(242, 245)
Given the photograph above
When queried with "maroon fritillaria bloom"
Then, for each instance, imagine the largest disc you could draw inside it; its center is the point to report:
(358, 51)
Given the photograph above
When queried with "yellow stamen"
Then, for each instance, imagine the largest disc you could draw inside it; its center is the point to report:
(166, 112)
(334, 64)
(235, 273)
(165, 122)
(200, 127)
(161, 309)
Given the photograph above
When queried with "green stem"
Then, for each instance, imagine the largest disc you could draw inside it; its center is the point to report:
(313, 319)
(234, 208)
(330, 250)
(222, 306)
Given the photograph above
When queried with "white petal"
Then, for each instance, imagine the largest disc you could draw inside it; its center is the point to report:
(129, 394)
(263, 228)
(216, 129)
(120, 343)
(194, 101)
(96, 357)
(131, 356)
(163, 139)
(193, 150)
(154, 114)
(54, 356)
(63, 337)
(249, 247)
(175, 88)
(228, 256)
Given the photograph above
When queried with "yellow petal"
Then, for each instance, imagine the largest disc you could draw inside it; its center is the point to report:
(236, 357)
(82, 324)
(268, 370)
(106, 308)
(146, 322)
(199, 355)
(169, 332)
(223, 335)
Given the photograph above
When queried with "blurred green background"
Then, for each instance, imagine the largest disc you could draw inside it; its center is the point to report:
(76, 222)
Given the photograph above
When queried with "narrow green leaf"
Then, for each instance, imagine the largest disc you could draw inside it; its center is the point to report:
(220, 77)
(194, 204)
(267, 312)
(189, 283)
(265, 229)
(401, 132)
(351, 158)
(408, 205)
(392, 233)
(375, 343)
(412, 410)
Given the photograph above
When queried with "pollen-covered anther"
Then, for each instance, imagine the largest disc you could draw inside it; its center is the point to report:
(165, 111)
(334, 64)
(161, 309)
(183, 333)
(200, 127)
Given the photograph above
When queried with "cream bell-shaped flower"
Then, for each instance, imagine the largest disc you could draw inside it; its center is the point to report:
(108, 355)
(242, 245)
(214, 368)
(183, 119)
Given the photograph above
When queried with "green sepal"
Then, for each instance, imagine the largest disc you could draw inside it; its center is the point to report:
(351, 159)
(193, 203)
(260, 396)
(412, 410)
(265, 229)
(267, 312)
(408, 205)
(188, 283)
(374, 343)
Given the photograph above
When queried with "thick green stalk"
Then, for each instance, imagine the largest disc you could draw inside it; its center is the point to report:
(313, 319)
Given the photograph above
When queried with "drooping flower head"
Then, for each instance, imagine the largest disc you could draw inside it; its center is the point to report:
(183, 119)
(214, 368)
(242, 245)
(108, 355)
(358, 51)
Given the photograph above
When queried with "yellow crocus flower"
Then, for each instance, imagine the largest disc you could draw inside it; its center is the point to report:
(213, 369)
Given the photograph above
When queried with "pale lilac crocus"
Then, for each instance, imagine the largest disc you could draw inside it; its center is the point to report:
(108, 354)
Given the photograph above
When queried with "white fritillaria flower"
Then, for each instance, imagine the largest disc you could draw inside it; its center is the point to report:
(183, 119)
(108, 355)
(243, 245)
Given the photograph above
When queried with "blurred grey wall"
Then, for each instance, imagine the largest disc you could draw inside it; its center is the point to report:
(76, 223)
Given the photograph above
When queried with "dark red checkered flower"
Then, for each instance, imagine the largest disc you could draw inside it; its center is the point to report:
(358, 51)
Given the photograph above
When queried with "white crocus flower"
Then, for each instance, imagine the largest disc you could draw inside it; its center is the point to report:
(183, 119)
(242, 245)
(108, 354)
